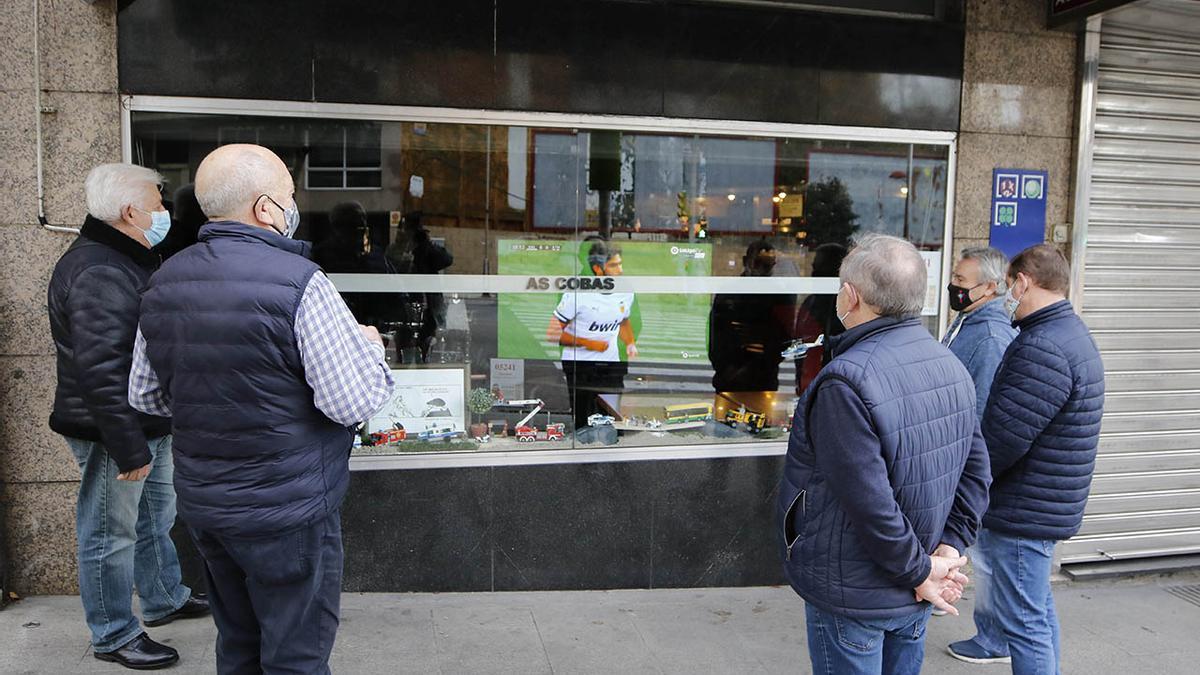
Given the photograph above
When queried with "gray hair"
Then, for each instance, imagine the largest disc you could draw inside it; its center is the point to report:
(993, 265)
(888, 273)
(251, 175)
(109, 188)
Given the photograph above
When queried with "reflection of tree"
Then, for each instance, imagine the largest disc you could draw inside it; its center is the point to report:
(829, 213)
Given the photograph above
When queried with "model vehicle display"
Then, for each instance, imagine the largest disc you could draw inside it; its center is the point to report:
(435, 432)
(753, 420)
(599, 420)
(798, 348)
(687, 412)
(528, 433)
(385, 436)
(554, 432)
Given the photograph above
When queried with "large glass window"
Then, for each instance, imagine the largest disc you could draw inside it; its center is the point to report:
(562, 288)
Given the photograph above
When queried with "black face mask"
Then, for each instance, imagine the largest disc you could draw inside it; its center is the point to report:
(960, 298)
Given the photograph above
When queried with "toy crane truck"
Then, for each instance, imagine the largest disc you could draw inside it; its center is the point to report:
(527, 433)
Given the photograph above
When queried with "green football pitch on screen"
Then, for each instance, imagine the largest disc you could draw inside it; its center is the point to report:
(669, 327)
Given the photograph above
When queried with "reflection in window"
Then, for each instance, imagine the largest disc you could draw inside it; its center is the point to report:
(646, 284)
(343, 157)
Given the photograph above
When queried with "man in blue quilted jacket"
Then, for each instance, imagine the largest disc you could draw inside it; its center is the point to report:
(886, 475)
(1042, 426)
(979, 336)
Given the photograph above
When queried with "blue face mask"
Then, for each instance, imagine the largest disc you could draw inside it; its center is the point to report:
(160, 225)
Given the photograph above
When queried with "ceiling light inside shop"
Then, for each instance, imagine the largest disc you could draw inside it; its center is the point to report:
(903, 190)
(732, 197)
(783, 195)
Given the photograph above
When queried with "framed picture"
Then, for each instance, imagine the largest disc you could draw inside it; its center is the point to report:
(428, 403)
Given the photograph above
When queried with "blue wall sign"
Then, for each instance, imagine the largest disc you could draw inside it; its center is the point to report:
(1018, 209)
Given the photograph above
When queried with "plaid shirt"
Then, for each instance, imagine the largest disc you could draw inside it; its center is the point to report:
(348, 374)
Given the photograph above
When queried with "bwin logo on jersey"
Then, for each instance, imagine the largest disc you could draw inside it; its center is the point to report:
(604, 327)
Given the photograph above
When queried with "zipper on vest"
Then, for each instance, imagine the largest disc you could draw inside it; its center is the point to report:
(789, 540)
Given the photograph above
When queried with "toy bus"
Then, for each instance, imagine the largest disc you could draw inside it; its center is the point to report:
(687, 412)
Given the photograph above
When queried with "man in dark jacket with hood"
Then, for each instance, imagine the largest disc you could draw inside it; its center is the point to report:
(885, 468)
(1042, 426)
(126, 503)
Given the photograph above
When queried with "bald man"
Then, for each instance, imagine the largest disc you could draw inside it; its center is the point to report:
(250, 350)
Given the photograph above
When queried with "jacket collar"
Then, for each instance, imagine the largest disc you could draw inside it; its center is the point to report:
(232, 229)
(102, 233)
(1056, 311)
(992, 310)
(840, 343)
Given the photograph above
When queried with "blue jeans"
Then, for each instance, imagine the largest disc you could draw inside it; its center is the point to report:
(123, 534)
(845, 646)
(1024, 603)
(275, 599)
(989, 634)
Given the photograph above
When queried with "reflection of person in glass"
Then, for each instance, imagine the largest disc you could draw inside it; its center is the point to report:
(344, 250)
(588, 325)
(415, 252)
(818, 315)
(747, 334)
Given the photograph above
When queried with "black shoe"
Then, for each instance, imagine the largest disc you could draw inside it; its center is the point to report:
(141, 653)
(195, 606)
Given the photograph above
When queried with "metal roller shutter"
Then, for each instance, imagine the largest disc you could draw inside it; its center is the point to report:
(1141, 292)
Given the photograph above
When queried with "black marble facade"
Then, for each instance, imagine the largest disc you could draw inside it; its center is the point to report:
(626, 57)
(646, 524)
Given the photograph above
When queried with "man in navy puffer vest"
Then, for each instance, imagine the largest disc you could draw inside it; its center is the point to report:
(264, 370)
(885, 468)
(1042, 426)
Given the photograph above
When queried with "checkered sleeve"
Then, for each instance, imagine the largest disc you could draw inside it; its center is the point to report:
(347, 372)
(145, 393)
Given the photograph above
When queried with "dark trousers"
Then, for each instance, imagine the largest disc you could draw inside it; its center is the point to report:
(586, 380)
(275, 599)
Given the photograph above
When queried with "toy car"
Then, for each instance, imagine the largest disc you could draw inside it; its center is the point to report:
(754, 421)
(386, 436)
(435, 433)
(599, 420)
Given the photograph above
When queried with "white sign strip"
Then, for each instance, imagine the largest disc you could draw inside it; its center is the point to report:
(391, 113)
(514, 283)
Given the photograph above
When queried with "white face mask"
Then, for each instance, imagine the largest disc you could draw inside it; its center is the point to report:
(841, 317)
(1011, 302)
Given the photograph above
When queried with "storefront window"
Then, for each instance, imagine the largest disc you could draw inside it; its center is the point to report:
(564, 288)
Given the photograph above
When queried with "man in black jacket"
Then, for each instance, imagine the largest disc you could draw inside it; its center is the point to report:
(126, 503)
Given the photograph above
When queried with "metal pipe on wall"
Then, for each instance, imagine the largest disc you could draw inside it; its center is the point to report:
(37, 126)
(1089, 70)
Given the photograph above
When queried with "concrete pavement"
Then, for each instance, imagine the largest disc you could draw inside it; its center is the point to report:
(1128, 626)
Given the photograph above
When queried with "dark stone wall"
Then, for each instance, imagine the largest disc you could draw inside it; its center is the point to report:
(655, 58)
(651, 524)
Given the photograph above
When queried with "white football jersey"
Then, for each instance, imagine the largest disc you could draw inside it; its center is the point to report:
(596, 316)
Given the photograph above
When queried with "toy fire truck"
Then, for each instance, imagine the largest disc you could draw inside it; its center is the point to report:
(528, 433)
(386, 436)
(554, 432)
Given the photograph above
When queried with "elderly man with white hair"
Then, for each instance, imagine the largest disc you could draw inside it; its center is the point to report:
(886, 476)
(126, 503)
(265, 372)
